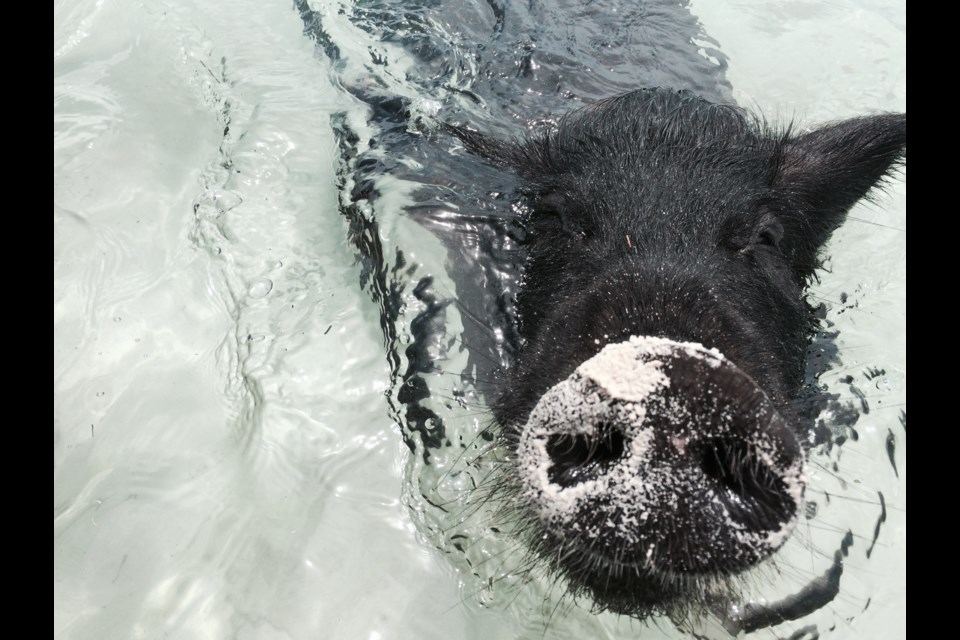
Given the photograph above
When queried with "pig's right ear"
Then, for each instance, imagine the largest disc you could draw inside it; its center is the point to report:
(823, 173)
(493, 149)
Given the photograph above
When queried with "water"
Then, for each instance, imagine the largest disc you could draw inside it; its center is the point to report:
(229, 455)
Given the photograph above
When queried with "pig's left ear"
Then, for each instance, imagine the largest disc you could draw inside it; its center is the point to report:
(824, 172)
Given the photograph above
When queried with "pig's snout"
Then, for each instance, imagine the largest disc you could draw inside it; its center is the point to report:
(661, 457)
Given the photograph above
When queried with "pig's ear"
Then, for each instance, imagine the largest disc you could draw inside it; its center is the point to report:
(488, 147)
(829, 169)
(823, 173)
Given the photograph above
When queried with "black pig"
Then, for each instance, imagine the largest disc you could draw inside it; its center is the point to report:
(654, 452)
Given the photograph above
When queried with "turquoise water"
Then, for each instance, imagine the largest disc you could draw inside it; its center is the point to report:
(227, 462)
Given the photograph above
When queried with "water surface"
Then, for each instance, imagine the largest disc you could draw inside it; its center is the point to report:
(229, 456)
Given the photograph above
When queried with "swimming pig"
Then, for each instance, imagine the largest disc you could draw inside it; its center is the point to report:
(653, 450)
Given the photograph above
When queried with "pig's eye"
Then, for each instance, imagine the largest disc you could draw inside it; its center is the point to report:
(767, 237)
(770, 233)
(550, 212)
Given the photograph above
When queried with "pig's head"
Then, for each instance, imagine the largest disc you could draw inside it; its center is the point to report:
(653, 453)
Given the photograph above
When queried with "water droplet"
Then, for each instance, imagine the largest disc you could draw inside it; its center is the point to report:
(118, 319)
(259, 288)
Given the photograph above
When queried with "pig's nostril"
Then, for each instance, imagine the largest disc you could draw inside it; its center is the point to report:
(754, 494)
(581, 457)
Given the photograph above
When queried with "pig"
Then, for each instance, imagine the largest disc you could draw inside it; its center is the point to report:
(629, 279)
(653, 448)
